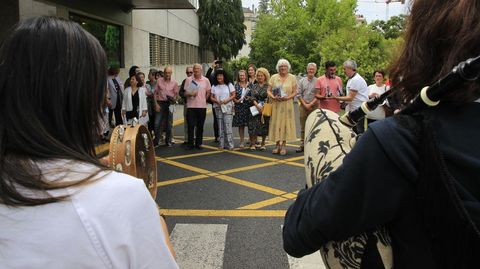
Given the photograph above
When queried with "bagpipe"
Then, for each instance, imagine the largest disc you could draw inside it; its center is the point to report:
(132, 152)
(328, 138)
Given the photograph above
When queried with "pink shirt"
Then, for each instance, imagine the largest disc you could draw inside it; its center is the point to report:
(164, 88)
(202, 86)
(329, 85)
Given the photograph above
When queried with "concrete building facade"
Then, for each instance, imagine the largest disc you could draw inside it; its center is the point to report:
(250, 20)
(146, 33)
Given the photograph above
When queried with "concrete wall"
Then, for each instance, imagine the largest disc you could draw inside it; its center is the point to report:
(249, 22)
(180, 25)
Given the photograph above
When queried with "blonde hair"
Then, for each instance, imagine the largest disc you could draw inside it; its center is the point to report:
(265, 72)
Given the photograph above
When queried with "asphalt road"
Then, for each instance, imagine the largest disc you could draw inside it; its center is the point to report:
(225, 209)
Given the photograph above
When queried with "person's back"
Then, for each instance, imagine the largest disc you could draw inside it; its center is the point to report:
(60, 207)
(96, 227)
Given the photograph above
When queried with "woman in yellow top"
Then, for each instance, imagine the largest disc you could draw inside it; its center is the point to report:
(281, 90)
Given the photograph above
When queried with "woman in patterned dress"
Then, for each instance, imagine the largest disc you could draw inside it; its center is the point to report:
(282, 89)
(258, 125)
(242, 109)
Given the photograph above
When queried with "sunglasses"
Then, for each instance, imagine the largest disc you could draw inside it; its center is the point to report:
(188, 73)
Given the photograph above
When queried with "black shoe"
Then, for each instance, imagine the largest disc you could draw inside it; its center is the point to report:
(168, 145)
(189, 147)
(300, 149)
(199, 147)
(216, 140)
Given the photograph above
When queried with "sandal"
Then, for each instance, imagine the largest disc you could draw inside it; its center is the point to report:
(283, 152)
(252, 148)
(276, 151)
(263, 148)
(241, 145)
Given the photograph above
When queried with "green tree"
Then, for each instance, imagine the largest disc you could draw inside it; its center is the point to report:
(221, 27)
(391, 29)
(263, 6)
(317, 31)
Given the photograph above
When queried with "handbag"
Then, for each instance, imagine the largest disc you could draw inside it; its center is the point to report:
(267, 110)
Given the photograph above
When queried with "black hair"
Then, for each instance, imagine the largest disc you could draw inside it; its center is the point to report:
(379, 71)
(226, 78)
(329, 64)
(132, 71)
(45, 118)
(137, 77)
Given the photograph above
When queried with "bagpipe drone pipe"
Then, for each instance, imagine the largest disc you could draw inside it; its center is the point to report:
(328, 138)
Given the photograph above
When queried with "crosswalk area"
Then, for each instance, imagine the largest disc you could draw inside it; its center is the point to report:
(225, 209)
(202, 246)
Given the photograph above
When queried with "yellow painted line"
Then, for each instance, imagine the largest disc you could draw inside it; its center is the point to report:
(184, 166)
(192, 155)
(254, 156)
(180, 180)
(289, 196)
(213, 174)
(264, 203)
(296, 164)
(102, 148)
(223, 213)
(251, 185)
(294, 159)
(178, 122)
(246, 168)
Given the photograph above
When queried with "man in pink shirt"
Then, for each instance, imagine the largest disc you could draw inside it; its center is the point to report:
(329, 86)
(165, 93)
(197, 92)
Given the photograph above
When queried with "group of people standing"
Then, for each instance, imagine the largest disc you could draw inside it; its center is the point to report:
(240, 103)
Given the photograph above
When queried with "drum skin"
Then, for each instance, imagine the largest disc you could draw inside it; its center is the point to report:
(132, 152)
(327, 141)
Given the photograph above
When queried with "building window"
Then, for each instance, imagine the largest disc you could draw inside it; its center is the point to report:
(166, 51)
(109, 35)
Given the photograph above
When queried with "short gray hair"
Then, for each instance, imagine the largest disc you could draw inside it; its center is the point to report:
(350, 64)
(283, 62)
(312, 64)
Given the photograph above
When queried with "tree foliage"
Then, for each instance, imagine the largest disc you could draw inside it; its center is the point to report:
(391, 29)
(221, 27)
(318, 31)
(263, 6)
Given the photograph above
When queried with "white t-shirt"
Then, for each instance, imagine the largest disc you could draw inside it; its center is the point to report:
(222, 92)
(358, 84)
(379, 112)
(112, 222)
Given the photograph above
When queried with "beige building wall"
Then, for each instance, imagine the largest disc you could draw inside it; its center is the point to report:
(249, 22)
(178, 25)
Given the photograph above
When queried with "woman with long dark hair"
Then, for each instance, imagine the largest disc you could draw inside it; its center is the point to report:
(415, 174)
(59, 206)
(222, 95)
(135, 99)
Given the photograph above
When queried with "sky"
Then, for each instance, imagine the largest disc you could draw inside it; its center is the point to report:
(368, 8)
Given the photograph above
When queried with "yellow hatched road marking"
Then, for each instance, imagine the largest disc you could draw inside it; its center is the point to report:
(193, 155)
(223, 213)
(264, 203)
(250, 185)
(246, 168)
(290, 196)
(184, 166)
(102, 148)
(180, 180)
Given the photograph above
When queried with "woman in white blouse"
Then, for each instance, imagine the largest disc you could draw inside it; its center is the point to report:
(223, 93)
(135, 101)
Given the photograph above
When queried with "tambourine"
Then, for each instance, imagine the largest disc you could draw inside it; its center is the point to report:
(132, 152)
